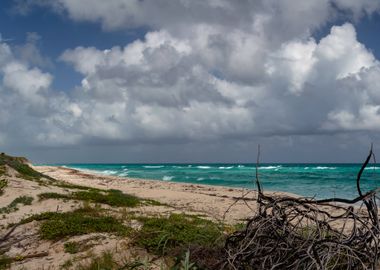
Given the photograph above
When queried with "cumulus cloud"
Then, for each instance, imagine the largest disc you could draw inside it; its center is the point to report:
(205, 71)
(30, 53)
(29, 109)
(163, 88)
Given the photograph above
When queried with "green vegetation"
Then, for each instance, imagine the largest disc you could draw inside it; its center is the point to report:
(110, 197)
(62, 184)
(12, 207)
(161, 235)
(5, 262)
(2, 170)
(185, 264)
(106, 261)
(67, 264)
(56, 226)
(72, 247)
(3, 185)
(53, 195)
(103, 262)
(20, 165)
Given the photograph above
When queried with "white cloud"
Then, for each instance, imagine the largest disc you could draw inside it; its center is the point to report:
(341, 51)
(293, 64)
(30, 54)
(231, 70)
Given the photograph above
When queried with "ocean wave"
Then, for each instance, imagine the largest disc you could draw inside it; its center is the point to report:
(203, 167)
(372, 168)
(270, 167)
(325, 168)
(226, 168)
(109, 172)
(200, 179)
(241, 166)
(167, 178)
(123, 174)
(153, 166)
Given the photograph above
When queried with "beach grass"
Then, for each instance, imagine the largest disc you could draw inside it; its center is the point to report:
(71, 247)
(12, 207)
(56, 226)
(163, 234)
(3, 185)
(104, 262)
(110, 197)
(113, 197)
(5, 262)
(20, 165)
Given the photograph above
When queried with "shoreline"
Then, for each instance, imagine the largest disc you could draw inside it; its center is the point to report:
(212, 201)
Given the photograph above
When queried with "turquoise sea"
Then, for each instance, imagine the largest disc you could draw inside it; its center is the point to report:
(319, 180)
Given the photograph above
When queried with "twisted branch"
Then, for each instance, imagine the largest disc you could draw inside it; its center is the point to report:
(303, 233)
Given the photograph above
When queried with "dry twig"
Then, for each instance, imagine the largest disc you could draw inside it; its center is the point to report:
(302, 233)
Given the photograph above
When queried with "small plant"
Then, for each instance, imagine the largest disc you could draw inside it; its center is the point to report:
(186, 264)
(67, 264)
(52, 195)
(5, 262)
(3, 185)
(56, 226)
(62, 184)
(2, 170)
(12, 207)
(71, 247)
(138, 264)
(109, 197)
(161, 235)
(103, 262)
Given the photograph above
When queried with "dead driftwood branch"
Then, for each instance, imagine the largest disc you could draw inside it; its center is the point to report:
(302, 233)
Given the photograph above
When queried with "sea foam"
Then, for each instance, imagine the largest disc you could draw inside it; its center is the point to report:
(203, 167)
(167, 178)
(325, 168)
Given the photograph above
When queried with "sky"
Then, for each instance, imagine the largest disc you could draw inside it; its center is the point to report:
(151, 81)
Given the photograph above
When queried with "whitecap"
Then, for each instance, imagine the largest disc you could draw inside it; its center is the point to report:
(109, 172)
(167, 178)
(226, 168)
(153, 167)
(203, 167)
(325, 168)
(372, 168)
(270, 167)
(200, 179)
